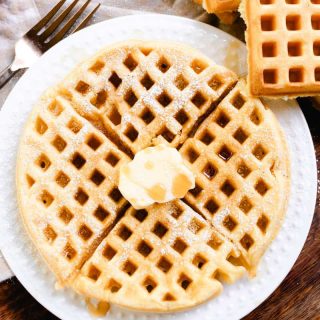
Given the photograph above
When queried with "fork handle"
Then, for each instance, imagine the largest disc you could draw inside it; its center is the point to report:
(6, 75)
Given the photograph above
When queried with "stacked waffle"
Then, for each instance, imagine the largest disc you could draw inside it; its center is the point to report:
(283, 39)
(283, 43)
(169, 256)
(225, 10)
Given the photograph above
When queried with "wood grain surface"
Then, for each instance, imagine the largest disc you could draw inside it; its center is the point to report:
(298, 296)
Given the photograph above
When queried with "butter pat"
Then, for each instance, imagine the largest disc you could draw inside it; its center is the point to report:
(156, 174)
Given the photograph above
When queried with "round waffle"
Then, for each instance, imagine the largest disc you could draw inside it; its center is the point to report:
(171, 256)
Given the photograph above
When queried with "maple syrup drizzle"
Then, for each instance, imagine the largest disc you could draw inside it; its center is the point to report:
(99, 310)
(180, 185)
(157, 192)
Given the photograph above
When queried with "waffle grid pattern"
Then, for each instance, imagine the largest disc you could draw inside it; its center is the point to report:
(159, 93)
(284, 47)
(74, 141)
(234, 154)
(62, 178)
(166, 254)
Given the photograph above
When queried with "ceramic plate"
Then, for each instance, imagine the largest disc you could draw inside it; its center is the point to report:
(237, 300)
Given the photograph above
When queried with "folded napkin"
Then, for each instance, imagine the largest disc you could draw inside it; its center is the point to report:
(17, 16)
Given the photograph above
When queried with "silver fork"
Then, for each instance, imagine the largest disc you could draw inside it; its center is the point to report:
(34, 43)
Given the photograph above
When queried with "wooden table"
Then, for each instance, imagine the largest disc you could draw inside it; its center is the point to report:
(298, 296)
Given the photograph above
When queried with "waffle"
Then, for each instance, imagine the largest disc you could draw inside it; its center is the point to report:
(161, 259)
(67, 184)
(225, 10)
(242, 182)
(142, 91)
(171, 256)
(219, 6)
(283, 47)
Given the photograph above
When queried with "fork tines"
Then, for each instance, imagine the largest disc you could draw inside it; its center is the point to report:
(56, 25)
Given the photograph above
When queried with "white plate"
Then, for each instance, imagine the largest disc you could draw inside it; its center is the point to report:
(237, 300)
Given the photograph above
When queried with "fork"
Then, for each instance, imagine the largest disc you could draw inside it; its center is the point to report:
(35, 42)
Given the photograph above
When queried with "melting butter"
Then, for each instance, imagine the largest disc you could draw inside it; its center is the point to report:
(181, 183)
(157, 192)
(156, 174)
(149, 165)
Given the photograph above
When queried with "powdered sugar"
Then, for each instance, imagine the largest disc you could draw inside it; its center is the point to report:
(241, 297)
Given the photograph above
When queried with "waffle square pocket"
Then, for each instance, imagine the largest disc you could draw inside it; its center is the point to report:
(283, 39)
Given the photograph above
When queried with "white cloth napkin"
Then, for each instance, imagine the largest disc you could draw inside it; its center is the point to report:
(17, 16)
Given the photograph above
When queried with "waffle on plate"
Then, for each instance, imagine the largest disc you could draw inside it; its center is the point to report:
(169, 256)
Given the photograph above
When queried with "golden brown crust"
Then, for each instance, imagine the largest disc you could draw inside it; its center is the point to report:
(242, 164)
(57, 198)
(127, 97)
(282, 48)
(173, 260)
(165, 80)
